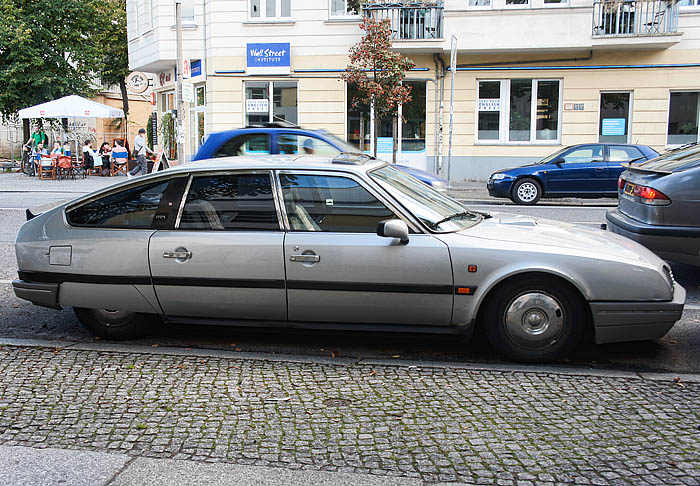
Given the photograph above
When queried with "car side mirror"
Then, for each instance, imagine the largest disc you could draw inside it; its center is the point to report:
(559, 162)
(393, 228)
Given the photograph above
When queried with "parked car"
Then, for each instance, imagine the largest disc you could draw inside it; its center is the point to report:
(336, 243)
(279, 138)
(586, 170)
(659, 205)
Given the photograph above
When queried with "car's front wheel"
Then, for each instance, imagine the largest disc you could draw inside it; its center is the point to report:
(536, 319)
(526, 191)
(113, 324)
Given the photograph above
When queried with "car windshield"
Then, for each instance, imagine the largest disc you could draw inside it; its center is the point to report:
(340, 143)
(552, 157)
(435, 210)
(674, 160)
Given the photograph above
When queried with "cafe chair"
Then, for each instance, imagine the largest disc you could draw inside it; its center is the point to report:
(120, 165)
(64, 167)
(47, 168)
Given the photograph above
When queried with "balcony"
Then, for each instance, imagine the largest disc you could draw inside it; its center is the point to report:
(634, 18)
(417, 21)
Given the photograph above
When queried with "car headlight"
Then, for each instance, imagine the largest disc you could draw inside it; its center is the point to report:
(497, 177)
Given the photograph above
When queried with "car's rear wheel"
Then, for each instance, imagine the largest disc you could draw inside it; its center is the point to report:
(113, 324)
(534, 320)
(526, 191)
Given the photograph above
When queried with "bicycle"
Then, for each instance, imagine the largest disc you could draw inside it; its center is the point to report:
(27, 160)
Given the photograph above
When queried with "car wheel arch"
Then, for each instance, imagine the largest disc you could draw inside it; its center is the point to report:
(536, 178)
(525, 273)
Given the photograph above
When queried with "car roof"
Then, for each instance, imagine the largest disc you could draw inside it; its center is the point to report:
(282, 162)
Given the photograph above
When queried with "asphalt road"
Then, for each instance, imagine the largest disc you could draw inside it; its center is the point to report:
(678, 352)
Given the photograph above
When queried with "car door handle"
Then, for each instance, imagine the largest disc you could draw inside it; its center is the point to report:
(599, 169)
(304, 258)
(179, 255)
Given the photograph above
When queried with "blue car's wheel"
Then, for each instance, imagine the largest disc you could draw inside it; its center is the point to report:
(526, 191)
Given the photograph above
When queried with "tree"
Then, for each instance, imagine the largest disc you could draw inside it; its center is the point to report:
(48, 49)
(112, 38)
(377, 73)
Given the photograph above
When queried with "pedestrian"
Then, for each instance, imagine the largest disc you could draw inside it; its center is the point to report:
(140, 150)
(37, 137)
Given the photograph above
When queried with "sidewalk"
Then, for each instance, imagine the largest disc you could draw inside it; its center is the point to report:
(415, 423)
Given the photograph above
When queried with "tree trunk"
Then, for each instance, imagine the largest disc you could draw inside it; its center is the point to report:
(125, 96)
(376, 134)
(394, 137)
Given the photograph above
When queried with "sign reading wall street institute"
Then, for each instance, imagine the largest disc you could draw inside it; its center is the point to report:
(257, 106)
(489, 104)
(268, 58)
(613, 126)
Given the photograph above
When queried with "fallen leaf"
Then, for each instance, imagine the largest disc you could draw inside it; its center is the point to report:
(372, 373)
(672, 463)
(334, 354)
(678, 382)
(396, 356)
(154, 345)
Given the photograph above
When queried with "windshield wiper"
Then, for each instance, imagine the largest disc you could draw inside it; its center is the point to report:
(455, 215)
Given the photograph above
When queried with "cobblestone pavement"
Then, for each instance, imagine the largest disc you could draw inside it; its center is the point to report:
(435, 424)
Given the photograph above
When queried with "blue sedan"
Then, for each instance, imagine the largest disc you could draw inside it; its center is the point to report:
(282, 139)
(586, 170)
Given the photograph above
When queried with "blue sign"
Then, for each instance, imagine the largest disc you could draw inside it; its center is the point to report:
(385, 145)
(613, 126)
(268, 58)
(196, 68)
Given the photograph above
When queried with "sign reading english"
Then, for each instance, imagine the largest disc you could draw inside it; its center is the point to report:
(268, 58)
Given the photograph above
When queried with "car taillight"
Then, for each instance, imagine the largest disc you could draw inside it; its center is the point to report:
(621, 183)
(649, 195)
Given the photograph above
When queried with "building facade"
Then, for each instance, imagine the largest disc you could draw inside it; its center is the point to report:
(529, 76)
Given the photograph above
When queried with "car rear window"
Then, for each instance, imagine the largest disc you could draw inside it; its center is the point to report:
(675, 160)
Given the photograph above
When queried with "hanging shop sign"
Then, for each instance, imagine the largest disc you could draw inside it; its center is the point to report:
(268, 58)
(137, 82)
(489, 104)
(257, 106)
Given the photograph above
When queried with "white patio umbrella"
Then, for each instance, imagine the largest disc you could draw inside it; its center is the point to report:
(71, 106)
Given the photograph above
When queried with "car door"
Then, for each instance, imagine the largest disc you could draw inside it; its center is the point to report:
(223, 259)
(617, 155)
(581, 170)
(303, 144)
(340, 270)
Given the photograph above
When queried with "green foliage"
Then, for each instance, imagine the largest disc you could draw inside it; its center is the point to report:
(149, 132)
(167, 131)
(113, 63)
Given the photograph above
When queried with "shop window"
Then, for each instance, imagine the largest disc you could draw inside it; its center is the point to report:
(479, 3)
(683, 118)
(517, 3)
(414, 115)
(518, 111)
(270, 9)
(614, 117)
(689, 3)
(271, 101)
(293, 143)
(358, 123)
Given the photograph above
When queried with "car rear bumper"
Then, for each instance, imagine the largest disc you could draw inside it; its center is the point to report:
(675, 243)
(636, 321)
(42, 294)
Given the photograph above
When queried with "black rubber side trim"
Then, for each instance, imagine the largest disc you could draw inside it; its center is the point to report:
(53, 277)
(219, 282)
(616, 219)
(371, 287)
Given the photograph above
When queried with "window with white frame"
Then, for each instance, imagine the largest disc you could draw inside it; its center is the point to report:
(187, 12)
(689, 3)
(517, 3)
(479, 3)
(344, 8)
(270, 9)
(144, 15)
(518, 111)
(683, 118)
(555, 3)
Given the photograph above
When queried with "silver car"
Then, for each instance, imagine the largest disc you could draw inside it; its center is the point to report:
(343, 243)
(660, 205)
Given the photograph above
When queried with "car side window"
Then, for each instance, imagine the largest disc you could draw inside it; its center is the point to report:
(293, 143)
(133, 207)
(585, 155)
(331, 203)
(233, 202)
(248, 144)
(621, 153)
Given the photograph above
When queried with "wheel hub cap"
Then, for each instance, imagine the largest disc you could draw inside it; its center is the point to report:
(534, 319)
(527, 191)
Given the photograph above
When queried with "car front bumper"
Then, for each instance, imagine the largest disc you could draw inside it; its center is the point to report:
(636, 321)
(42, 294)
(675, 243)
(500, 188)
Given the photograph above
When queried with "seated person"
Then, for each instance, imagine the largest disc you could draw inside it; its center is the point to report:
(89, 155)
(119, 154)
(38, 154)
(57, 149)
(66, 148)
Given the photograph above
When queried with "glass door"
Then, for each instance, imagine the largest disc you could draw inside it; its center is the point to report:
(614, 117)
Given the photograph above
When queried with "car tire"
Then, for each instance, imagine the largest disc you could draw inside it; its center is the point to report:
(526, 191)
(114, 325)
(534, 320)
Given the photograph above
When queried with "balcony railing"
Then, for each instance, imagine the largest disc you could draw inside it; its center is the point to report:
(634, 17)
(409, 21)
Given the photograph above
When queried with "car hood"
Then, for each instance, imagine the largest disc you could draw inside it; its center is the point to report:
(558, 237)
(521, 168)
